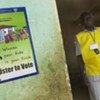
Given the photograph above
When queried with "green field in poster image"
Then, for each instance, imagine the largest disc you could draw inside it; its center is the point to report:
(16, 53)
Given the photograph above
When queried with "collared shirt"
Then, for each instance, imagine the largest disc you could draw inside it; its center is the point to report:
(77, 47)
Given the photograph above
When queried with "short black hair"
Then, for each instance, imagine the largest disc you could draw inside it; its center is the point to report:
(83, 15)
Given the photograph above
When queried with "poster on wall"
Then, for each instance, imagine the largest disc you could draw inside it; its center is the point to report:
(17, 56)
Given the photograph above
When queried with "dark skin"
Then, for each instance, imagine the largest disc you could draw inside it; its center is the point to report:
(88, 22)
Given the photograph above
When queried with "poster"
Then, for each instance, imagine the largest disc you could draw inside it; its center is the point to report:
(17, 56)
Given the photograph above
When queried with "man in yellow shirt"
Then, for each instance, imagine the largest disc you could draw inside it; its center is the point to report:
(89, 43)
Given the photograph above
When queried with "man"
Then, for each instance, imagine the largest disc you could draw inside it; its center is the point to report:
(89, 43)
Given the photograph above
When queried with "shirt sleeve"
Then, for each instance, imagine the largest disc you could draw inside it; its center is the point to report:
(77, 48)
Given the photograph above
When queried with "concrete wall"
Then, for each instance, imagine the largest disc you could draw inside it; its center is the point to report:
(52, 82)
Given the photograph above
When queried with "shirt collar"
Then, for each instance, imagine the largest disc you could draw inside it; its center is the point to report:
(94, 30)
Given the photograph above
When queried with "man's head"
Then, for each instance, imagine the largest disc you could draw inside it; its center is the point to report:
(87, 21)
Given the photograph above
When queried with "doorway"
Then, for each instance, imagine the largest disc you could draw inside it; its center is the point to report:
(69, 12)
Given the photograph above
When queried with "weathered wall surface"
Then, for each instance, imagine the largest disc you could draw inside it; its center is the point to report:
(52, 82)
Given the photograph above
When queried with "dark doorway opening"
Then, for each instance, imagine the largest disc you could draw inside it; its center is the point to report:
(69, 12)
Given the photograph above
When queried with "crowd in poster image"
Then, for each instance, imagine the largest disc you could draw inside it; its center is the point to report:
(9, 34)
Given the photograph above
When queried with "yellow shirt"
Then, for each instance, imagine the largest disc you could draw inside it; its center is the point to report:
(90, 58)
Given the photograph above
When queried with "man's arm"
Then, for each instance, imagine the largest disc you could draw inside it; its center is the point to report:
(81, 64)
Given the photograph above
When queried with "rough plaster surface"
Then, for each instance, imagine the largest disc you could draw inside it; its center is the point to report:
(52, 82)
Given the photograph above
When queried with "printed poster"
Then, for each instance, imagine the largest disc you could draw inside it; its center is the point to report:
(17, 56)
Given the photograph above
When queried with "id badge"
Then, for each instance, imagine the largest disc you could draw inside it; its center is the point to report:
(94, 46)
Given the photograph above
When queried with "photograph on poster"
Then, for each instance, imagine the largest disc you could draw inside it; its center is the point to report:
(17, 56)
